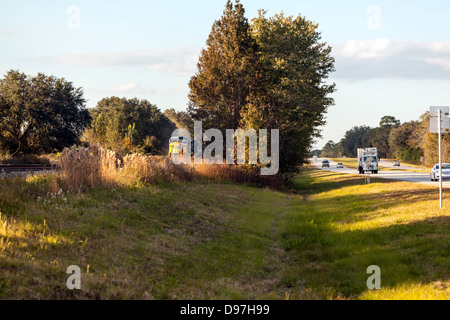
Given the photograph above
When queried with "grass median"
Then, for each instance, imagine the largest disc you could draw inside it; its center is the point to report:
(209, 240)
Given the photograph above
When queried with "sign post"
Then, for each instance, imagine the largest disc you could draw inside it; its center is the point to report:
(440, 118)
(440, 156)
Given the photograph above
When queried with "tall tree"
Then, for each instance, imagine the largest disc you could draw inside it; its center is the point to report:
(40, 114)
(329, 150)
(270, 74)
(355, 138)
(389, 121)
(295, 96)
(402, 144)
(381, 139)
(226, 72)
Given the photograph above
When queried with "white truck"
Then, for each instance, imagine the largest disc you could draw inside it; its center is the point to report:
(367, 160)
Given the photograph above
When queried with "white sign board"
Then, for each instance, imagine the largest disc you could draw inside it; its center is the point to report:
(439, 119)
(445, 111)
(445, 125)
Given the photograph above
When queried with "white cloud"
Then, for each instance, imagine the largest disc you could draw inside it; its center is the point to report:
(181, 61)
(386, 58)
(131, 88)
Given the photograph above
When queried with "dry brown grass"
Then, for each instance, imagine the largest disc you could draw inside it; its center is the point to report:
(238, 174)
(84, 168)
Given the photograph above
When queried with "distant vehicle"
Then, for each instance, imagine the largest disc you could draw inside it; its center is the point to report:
(325, 163)
(367, 160)
(340, 165)
(176, 145)
(396, 163)
(434, 174)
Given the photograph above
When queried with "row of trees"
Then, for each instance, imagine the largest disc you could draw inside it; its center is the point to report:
(44, 114)
(265, 74)
(407, 142)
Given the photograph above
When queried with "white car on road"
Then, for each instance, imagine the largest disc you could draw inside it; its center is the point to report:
(434, 175)
(340, 165)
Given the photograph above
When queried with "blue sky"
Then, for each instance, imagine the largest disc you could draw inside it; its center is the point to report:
(392, 57)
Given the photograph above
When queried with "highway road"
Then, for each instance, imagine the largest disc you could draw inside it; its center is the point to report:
(416, 177)
(390, 164)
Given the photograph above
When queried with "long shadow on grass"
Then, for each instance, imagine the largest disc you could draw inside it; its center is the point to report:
(337, 260)
(406, 254)
(312, 181)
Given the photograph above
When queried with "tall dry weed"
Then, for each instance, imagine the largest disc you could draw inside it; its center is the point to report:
(84, 168)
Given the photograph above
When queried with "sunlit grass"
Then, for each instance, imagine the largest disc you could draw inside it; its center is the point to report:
(350, 225)
(416, 291)
(209, 240)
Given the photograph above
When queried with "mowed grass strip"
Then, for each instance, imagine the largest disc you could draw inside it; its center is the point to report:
(207, 240)
(349, 226)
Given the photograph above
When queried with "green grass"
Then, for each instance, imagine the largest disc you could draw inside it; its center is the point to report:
(207, 240)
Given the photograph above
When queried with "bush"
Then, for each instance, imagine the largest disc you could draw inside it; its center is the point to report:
(83, 168)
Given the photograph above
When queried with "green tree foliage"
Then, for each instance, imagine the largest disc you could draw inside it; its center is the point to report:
(40, 114)
(131, 125)
(430, 143)
(315, 152)
(408, 141)
(381, 139)
(402, 143)
(226, 72)
(181, 119)
(331, 150)
(328, 150)
(270, 75)
(295, 97)
(389, 121)
(357, 137)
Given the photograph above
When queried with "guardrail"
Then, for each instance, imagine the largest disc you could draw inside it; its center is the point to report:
(27, 167)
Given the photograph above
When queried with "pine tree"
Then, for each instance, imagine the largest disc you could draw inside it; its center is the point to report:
(228, 72)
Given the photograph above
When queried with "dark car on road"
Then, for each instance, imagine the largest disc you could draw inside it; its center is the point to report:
(325, 163)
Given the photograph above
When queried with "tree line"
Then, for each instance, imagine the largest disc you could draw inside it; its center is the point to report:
(408, 142)
(267, 73)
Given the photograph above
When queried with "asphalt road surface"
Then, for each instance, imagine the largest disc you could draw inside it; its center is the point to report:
(416, 177)
(390, 164)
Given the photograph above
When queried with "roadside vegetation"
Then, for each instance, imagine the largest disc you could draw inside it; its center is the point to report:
(218, 240)
(410, 142)
(141, 227)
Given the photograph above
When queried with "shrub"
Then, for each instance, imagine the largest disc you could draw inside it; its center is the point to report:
(84, 168)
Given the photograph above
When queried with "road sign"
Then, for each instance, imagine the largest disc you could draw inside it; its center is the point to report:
(439, 123)
(434, 124)
(445, 111)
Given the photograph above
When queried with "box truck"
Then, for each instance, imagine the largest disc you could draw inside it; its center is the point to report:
(367, 160)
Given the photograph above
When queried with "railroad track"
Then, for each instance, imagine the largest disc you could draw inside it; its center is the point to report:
(10, 168)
